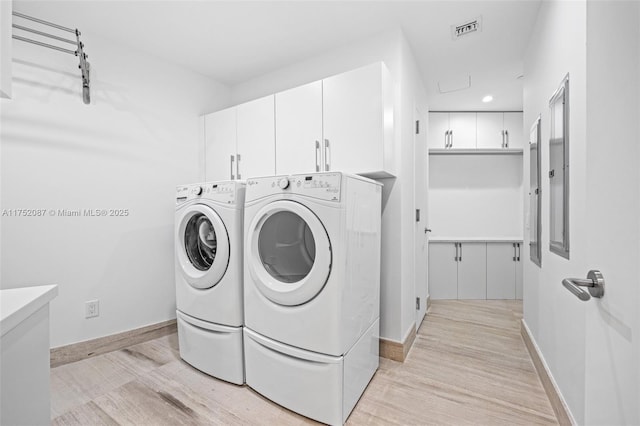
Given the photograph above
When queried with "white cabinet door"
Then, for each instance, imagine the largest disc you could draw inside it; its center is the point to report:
(443, 271)
(220, 145)
(462, 126)
(438, 128)
(472, 271)
(519, 273)
(299, 129)
(256, 138)
(358, 117)
(514, 128)
(501, 271)
(490, 128)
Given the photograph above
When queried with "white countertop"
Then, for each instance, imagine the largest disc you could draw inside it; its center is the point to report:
(475, 240)
(17, 304)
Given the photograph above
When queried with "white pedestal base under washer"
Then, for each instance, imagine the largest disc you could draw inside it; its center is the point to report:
(312, 289)
(209, 268)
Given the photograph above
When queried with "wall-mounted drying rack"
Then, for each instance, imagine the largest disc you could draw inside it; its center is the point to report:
(79, 52)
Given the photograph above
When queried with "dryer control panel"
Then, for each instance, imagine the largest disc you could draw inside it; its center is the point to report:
(220, 192)
(323, 186)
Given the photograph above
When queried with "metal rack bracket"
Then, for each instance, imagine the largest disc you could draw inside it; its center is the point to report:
(84, 65)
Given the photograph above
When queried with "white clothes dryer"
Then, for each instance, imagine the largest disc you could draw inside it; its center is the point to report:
(312, 285)
(208, 265)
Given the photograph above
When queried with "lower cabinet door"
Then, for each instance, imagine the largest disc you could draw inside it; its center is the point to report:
(501, 271)
(472, 271)
(443, 271)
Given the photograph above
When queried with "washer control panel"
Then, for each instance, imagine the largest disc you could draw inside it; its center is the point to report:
(221, 192)
(324, 186)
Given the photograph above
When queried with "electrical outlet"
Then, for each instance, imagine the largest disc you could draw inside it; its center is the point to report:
(91, 308)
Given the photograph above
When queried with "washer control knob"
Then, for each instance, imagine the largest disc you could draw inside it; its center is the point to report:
(197, 190)
(283, 183)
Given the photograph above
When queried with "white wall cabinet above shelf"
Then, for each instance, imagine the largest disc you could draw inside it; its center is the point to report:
(477, 132)
(475, 151)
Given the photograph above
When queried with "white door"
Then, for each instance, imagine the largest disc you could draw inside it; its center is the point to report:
(220, 145)
(299, 130)
(438, 130)
(443, 271)
(202, 246)
(462, 130)
(289, 253)
(472, 271)
(501, 270)
(256, 138)
(421, 236)
(611, 209)
(513, 127)
(353, 120)
(490, 130)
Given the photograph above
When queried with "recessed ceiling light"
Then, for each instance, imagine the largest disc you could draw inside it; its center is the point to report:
(487, 98)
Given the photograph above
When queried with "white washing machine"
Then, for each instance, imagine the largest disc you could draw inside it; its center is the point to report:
(312, 286)
(208, 264)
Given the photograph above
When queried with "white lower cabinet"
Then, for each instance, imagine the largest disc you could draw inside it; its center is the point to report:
(443, 271)
(472, 271)
(457, 270)
(475, 270)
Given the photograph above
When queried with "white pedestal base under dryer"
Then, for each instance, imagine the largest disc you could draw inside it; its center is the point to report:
(209, 269)
(322, 387)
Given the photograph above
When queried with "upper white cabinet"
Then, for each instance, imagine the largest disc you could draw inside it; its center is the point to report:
(438, 134)
(479, 131)
(299, 129)
(513, 126)
(455, 130)
(499, 130)
(240, 141)
(462, 130)
(358, 121)
(256, 138)
(220, 144)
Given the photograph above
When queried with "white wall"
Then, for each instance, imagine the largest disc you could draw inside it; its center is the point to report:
(476, 196)
(139, 138)
(558, 47)
(397, 310)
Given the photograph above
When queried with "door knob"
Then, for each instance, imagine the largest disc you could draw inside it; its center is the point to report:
(427, 230)
(594, 283)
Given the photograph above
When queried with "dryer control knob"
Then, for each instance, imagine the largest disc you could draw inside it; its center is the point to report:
(197, 190)
(283, 183)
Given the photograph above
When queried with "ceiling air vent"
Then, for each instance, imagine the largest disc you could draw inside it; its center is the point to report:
(466, 28)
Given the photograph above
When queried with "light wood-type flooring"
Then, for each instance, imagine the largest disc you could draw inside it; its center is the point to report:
(468, 366)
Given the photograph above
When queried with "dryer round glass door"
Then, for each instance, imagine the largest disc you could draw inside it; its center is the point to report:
(289, 253)
(202, 246)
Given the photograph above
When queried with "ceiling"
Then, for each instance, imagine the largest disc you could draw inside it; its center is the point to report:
(235, 41)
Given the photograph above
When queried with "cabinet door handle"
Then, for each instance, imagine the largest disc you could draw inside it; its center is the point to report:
(503, 138)
(460, 256)
(506, 133)
(456, 246)
(238, 167)
(514, 252)
(518, 251)
(446, 145)
(327, 155)
(317, 155)
(231, 167)
(451, 146)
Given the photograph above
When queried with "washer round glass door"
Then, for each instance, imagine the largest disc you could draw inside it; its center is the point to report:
(289, 253)
(202, 246)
